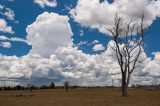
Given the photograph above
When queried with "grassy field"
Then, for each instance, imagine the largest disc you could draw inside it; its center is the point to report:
(80, 97)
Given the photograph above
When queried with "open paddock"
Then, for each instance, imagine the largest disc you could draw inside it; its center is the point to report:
(80, 97)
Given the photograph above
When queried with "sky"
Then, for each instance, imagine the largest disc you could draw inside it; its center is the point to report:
(44, 41)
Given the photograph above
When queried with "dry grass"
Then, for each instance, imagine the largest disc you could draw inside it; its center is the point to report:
(80, 97)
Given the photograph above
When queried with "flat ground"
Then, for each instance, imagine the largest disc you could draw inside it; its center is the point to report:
(80, 97)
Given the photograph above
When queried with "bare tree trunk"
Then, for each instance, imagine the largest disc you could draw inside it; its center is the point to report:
(125, 91)
(124, 85)
(66, 88)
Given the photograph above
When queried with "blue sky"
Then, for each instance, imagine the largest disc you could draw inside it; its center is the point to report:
(86, 35)
(26, 12)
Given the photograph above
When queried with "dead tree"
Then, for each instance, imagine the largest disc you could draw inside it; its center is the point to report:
(113, 85)
(128, 37)
(66, 85)
(29, 87)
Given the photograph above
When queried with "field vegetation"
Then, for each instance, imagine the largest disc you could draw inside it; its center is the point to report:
(80, 97)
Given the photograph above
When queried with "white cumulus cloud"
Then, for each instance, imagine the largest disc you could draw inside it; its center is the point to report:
(100, 15)
(68, 63)
(98, 47)
(153, 66)
(4, 27)
(49, 3)
(48, 32)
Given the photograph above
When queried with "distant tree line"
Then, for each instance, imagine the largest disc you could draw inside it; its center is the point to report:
(66, 86)
(28, 87)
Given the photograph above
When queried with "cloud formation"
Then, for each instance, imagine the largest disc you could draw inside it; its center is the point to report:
(100, 15)
(43, 3)
(4, 27)
(5, 44)
(7, 12)
(4, 38)
(48, 32)
(68, 63)
(98, 47)
(153, 66)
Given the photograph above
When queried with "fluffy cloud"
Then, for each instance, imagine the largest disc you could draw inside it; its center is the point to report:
(10, 14)
(49, 3)
(4, 27)
(5, 44)
(26, 67)
(100, 15)
(157, 4)
(7, 12)
(150, 73)
(98, 47)
(68, 63)
(48, 32)
(153, 66)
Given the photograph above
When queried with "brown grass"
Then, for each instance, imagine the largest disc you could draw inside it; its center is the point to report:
(80, 97)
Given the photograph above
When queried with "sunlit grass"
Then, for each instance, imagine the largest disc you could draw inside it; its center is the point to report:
(80, 97)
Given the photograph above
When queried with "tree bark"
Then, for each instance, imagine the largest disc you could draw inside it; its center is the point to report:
(66, 88)
(124, 85)
(125, 91)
